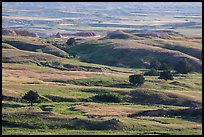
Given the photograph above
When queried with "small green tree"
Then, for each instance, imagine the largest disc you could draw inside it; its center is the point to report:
(71, 42)
(154, 65)
(166, 74)
(183, 66)
(32, 97)
(152, 72)
(163, 66)
(137, 80)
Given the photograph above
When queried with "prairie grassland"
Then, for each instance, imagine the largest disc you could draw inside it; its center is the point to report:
(71, 109)
(61, 115)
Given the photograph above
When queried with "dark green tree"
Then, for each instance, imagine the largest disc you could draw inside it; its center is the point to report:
(108, 97)
(137, 80)
(183, 66)
(154, 64)
(163, 66)
(32, 97)
(71, 42)
(166, 74)
(152, 72)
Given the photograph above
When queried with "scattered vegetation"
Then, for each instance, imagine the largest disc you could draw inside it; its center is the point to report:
(166, 75)
(77, 97)
(152, 72)
(154, 65)
(108, 97)
(183, 66)
(137, 80)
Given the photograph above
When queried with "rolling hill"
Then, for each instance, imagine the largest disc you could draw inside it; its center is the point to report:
(68, 86)
(137, 53)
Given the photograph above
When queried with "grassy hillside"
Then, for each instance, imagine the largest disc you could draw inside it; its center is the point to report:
(70, 88)
(34, 44)
(7, 46)
(129, 53)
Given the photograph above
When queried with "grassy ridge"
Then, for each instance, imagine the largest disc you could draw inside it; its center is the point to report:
(130, 53)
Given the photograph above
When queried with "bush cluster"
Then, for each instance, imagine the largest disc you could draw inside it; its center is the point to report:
(152, 72)
(108, 97)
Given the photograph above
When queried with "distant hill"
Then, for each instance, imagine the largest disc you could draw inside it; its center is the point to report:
(119, 34)
(165, 34)
(34, 44)
(119, 49)
(16, 32)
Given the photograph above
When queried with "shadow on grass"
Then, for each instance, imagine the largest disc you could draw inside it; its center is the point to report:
(9, 98)
(190, 114)
(12, 105)
(61, 99)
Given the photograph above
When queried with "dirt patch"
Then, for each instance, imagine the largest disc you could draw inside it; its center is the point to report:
(31, 75)
(102, 110)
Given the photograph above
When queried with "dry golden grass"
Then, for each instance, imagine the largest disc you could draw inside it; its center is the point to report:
(192, 95)
(98, 109)
(27, 39)
(135, 44)
(31, 75)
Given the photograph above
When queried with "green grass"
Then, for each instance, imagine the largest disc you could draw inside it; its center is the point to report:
(21, 131)
(129, 53)
(7, 46)
(71, 108)
(36, 121)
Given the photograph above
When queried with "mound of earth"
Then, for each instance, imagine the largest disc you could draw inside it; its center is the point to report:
(112, 124)
(118, 34)
(165, 34)
(85, 34)
(171, 112)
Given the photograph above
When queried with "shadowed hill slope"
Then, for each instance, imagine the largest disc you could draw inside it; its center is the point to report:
(129, 53)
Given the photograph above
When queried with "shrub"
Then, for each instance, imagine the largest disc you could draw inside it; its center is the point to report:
(183, 66)
(71, 42)
(166, 74)
(108, 97)
(151, 72)
(163, 66)
(32, 97)
(154, 65)
(137, 80)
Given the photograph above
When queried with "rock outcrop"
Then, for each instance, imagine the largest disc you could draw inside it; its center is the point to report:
(7, 31)
(14, 32)
(58, 35)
